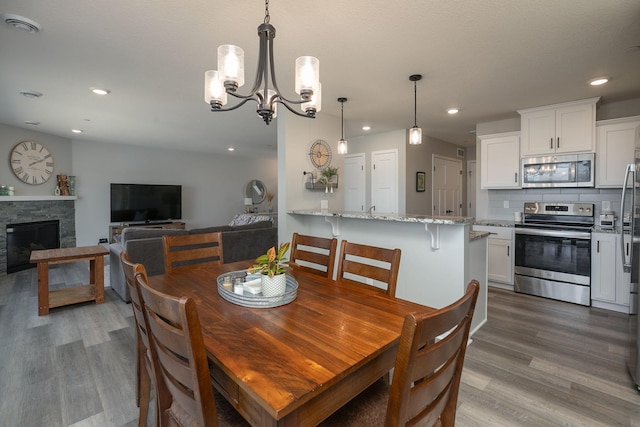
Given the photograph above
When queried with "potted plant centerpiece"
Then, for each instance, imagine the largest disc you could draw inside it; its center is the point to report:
(271, 266)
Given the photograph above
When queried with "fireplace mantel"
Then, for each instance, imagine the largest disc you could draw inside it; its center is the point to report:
(35, 198)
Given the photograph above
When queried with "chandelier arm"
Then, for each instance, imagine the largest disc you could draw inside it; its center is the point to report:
(273, 72)
(297, 113)
(240, 104)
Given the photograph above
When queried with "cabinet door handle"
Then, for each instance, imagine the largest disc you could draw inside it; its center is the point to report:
(598, 246)
(551, 143)
(558, 145)
(515, 179)
(508, 251)
(627, 249)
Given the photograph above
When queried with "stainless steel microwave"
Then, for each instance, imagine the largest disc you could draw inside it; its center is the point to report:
(567, 170)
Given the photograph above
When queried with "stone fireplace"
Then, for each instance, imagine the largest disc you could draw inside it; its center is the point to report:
(27, 209)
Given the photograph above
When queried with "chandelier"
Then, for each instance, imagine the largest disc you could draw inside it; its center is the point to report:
(230, 76)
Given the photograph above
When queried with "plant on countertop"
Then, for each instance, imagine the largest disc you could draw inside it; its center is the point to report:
(271, 263)
(328, 174)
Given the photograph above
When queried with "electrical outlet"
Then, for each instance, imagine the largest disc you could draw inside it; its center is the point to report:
(506, 204)
(103, 240)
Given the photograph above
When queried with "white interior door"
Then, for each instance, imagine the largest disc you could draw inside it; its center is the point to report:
(353, 182)
(471, 188)
(384, 181)
(447, 186)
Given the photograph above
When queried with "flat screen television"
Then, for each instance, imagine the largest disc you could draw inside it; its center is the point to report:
(145, 202)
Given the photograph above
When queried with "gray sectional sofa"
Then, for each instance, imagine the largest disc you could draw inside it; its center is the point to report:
(144, 245)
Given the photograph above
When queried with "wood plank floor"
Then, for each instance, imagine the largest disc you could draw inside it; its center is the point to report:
(536, 362)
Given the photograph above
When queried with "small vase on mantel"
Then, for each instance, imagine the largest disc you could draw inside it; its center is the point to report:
(274, 286)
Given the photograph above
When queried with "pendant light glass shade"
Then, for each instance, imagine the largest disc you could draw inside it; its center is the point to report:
(231, 65)
(214, 90)
(342, 147)
(415, 133)
(342, 144)
(415, 136)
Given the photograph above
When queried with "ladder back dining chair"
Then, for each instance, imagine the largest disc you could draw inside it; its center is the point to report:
(426, 377)
(184, 389)
(182, 252)
(145, 375)
(317, 254)
(369, 262)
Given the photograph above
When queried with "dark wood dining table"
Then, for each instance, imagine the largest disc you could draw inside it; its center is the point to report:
(293, 365)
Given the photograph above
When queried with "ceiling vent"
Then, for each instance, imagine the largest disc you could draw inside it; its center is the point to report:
(20, 23)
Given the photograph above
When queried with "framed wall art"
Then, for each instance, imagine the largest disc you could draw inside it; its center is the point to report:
(420, 181)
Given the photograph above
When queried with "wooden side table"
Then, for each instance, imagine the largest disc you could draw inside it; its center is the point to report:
(94, 291)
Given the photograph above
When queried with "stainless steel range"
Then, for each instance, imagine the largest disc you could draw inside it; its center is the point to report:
(553, 251)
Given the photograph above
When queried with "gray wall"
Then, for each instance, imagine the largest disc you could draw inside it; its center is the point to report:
(213, 185)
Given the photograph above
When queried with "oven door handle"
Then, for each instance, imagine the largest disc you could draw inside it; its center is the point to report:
(567, 234)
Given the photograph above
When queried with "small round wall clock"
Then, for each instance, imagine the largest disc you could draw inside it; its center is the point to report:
(31, 162)
(320, 153)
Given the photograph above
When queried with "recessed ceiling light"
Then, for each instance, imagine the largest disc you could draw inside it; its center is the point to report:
(20, 23)
(77, 130)
(366, 127)
(100, 91)
(30, 94)
(230, 149)
(598, 81)
(31, 122)
(453, 110)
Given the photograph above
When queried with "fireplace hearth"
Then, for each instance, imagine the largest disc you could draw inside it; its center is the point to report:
(24, 238)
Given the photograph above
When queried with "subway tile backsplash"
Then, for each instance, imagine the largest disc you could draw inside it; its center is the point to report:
(516, 199)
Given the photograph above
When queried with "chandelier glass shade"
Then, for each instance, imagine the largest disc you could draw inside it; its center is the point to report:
(415, 133)
(342, 144)
(230, 76)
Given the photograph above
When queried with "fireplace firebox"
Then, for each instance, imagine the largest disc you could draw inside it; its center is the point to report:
(24, 238)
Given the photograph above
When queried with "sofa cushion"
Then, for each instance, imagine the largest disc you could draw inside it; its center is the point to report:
(210, 229)
(131, 233)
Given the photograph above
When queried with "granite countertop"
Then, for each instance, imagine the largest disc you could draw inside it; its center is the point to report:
(475, 235)
(423, 219)
(496, 222)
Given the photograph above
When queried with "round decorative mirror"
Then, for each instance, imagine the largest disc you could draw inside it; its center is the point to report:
(256, 191)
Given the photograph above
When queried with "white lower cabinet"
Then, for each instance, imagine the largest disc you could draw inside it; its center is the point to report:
(500, 256)
(610, 285)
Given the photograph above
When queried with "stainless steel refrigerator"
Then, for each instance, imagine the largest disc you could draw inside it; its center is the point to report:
(631, 207)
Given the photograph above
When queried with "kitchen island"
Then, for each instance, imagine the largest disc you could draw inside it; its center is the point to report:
(440, 255)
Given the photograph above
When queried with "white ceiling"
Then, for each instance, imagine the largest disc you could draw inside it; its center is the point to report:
(488, 58)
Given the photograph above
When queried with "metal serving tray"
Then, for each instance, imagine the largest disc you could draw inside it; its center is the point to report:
(247, 299)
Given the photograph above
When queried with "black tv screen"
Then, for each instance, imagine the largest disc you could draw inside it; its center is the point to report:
(145, 202)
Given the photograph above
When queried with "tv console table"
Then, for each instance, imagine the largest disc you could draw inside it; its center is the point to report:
(116, 229)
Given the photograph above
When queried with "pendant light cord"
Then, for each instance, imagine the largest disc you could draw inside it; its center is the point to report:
(415, 103)
(342, 118)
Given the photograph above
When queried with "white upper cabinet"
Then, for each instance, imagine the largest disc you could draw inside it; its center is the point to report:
(500, 160)
(560, 128)
(615, 143)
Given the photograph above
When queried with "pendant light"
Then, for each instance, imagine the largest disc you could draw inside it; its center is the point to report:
(342, 144)
(415, 133)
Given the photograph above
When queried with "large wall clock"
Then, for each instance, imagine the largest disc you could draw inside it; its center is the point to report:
(320, 153)
(31, 162)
